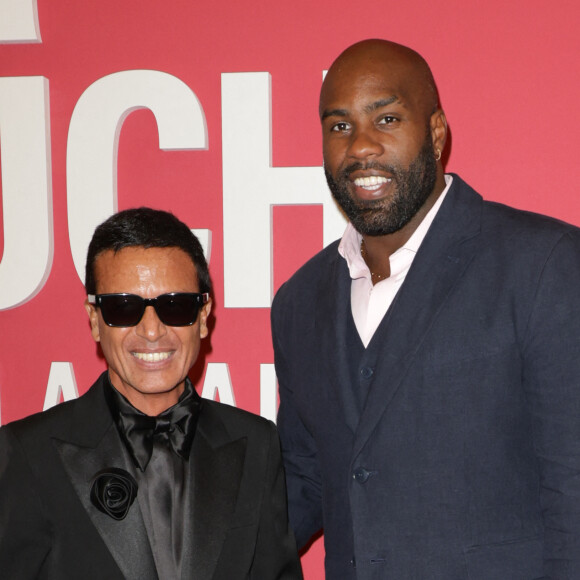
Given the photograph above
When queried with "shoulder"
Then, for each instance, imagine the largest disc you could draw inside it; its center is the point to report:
(527, 237)
(27, 450)
(306, 279)
(316, 267)
(522, 220)
(503, 224)
(58, 421)
(237, 422)
(44, 422)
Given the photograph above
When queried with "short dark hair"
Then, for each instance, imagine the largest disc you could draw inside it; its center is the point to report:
(147, 228)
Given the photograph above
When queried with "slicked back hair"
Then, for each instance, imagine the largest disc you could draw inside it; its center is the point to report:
(146, 228)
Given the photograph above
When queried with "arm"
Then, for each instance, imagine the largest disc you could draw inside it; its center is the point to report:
(298, 446)
(24, 531)
(551, 377)
(276, 557)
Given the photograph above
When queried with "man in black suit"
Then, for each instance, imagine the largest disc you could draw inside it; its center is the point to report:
(429, 363)
(140, 478)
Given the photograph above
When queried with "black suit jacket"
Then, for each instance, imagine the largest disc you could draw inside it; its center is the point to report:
(464, 460)
(237, 525)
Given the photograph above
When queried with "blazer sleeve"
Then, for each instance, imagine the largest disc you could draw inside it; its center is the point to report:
(276, 557)
(303, 477)
(25, 532)
(551, 377)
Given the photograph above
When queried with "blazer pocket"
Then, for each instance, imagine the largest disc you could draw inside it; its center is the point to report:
(516, 560)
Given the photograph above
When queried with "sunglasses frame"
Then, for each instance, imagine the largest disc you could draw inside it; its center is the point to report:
(199, 298)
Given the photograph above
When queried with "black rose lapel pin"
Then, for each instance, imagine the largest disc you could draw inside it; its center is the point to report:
(113, 491)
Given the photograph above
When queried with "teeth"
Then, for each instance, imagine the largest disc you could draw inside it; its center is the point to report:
(371, 182)
(152, 356)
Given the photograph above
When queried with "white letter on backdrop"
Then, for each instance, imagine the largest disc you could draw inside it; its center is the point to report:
(252, 186)
(26, 188)
(218, 382)
(19, 21)
(94, 136)
(61, 381)
(268, 392)
(204, 237)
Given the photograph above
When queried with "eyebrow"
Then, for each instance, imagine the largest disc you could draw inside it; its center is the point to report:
(368, 108)
(333, 113)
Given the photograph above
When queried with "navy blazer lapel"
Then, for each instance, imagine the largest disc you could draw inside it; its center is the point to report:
(331, 311)
(442, 258)
(216, 467)
(91, 445)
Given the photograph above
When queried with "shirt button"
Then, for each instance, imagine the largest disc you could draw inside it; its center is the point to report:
(360, 475)
(366, 372)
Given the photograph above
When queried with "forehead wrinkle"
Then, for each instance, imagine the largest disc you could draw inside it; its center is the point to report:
(372, 107)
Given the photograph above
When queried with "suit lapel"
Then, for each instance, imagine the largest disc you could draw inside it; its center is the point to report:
(441, 260)
(332, 310)
(91, 445)
(216, 466)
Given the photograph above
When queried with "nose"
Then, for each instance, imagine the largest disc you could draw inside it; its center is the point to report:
(364, 144)
(150, 327)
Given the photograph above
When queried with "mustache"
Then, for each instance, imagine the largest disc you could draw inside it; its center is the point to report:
(371, 165)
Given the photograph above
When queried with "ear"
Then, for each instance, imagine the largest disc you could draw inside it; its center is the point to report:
(203, 316)
(438, 125)
(94, 320)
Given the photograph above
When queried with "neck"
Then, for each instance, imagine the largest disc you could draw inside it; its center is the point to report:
(154, 405)
(379, 265)
(151, 404)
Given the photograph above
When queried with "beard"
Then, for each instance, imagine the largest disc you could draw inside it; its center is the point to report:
(385, 216)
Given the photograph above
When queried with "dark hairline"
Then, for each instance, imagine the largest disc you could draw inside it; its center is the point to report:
(145, 228)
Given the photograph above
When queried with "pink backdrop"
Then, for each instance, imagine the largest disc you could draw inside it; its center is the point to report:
(509, 81)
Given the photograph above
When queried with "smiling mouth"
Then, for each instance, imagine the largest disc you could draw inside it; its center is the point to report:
(372, 182)
(152, 356)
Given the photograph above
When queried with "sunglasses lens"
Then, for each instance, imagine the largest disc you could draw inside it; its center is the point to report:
(177, 309)
(120, 310)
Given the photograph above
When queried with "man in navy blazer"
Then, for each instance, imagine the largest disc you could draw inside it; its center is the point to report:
(429, 363)
(140, 478)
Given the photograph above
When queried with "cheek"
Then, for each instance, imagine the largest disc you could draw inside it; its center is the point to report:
(332, 153)
(111, 340)
(189, 338)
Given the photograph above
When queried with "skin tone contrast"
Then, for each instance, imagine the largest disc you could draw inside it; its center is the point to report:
(148, 363)
(383, 132)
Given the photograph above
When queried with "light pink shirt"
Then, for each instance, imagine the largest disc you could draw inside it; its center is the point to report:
(370, 303)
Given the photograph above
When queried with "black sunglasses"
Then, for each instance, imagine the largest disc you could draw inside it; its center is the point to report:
(174, 309)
